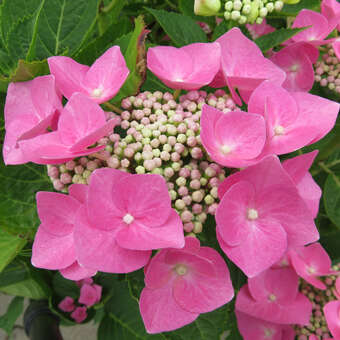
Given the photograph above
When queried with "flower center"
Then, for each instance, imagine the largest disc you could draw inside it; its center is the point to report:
(311, 270)
(294, 68)
(181, 269)
(252, 214)
(268, 332)
(272, 297)
(225, 149)
(128, 219)
(279, 130)
(96, 93)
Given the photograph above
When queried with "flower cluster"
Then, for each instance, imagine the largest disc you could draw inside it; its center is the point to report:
(90, 294)
(136, 189)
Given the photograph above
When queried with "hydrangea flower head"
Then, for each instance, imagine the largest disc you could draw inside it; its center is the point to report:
(82, 123)
(127, 216)
(189, 67)
(256, 220)
(273, 296)
(90, 294)
(181, 284)
(31, 108)
(232, 139)
(100, 82)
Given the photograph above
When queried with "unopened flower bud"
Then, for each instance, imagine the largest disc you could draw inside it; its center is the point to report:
(207, 7)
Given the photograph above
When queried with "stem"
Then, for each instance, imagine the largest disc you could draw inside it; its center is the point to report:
(109, 6)
(329, 171)
(177, 93)
(113, 108)
(329, 165)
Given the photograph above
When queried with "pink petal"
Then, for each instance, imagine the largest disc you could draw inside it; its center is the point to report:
(97, 249)
(263, 247)
(319, 23)
(79, 192)
(252, 328)
(80, 117)
(281, 283)
(200, 291)
(297, 312)
(242, 134)
(331, 10)
(57, 212)
(52, 252)
(68, 74)
(298, 67)
(188, 68)
(231, 214)
(102, 211)
(140, 237)
(79, 314)
(67, 304)
(88, 295)
(161, 313)
(145, 197)
(76, 272)
(332, 311)
(107, 74)
(336, 48)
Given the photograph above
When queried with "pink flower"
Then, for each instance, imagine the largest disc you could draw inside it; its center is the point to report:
(295, 61)
(181, 284)
(297, 168)
(330, 9)
(336, 47)
(294, 119)
(319, 30)
(126, 216)
(82, 123)
(337, 288)
(311, 262)
(332, 315)
(189, 67)
(53, 246)
(100, 82)
(257, 30)
(79, 314)
(232, 139)
(252, 328)
(257, 219)
(90, 294)
(244, 66)
(67, 304)
(273, 296)
(31, 107)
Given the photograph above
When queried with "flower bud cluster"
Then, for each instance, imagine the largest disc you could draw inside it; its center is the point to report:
(161, 136)
(327, 70)
(250, 11)
(319, 298)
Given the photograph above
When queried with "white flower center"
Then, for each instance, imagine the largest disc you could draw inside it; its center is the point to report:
(181, 269)
(128, 219)
(225, 149)
(279, 130)
(268, 333)
(272, 297)
(252, 214)
(294, 68)
(311, 270)
(96, 93)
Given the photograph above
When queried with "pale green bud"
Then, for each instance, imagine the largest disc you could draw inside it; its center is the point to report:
(207, 7)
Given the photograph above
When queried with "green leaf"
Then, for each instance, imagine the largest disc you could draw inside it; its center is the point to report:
(135, 61)
(10, 246)
(270, 40)
(152, 84)
(293, 10)
(109, 14)
(330, 242)
(37, 29)
(181, 29)
(106, 329)
(64, 287)
(14, 310)
(98, 46)
(19, 185)
(21, 279)
(222, 28)
(331, 197)
(125, 316)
